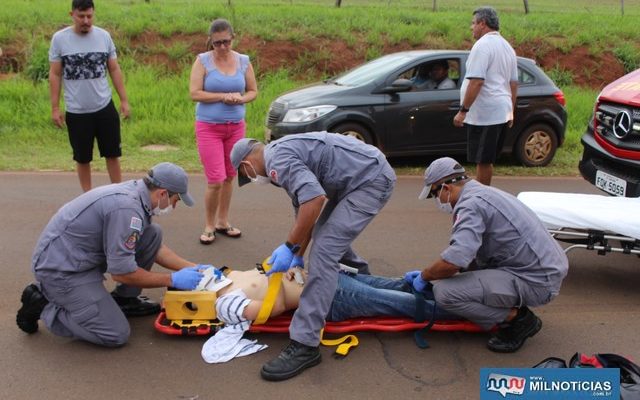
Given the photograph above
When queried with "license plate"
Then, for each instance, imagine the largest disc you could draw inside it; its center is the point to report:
(611, 184)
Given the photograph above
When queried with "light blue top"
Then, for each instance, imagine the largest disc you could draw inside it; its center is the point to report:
(217, 82)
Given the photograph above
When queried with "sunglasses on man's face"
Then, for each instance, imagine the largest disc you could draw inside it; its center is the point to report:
(434, 191)
(218, 43)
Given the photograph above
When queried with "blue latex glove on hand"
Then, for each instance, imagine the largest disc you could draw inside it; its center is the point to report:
(280, 259)
(420, 284)
(414, 278)
(297, 261)
(216, 272)
(410, 276)
(186, 279)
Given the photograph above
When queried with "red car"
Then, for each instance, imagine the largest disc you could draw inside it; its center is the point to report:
(611, 156)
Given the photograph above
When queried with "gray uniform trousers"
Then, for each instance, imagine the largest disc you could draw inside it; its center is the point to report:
(337, 227)
(486, 296)
(88, 311)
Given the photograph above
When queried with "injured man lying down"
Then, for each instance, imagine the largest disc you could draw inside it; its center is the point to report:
(240, 296)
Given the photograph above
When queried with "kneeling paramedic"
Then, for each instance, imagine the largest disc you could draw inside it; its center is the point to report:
(107, 229)
(500, 258)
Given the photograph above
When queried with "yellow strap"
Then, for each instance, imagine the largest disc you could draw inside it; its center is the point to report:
(344, 343)
(275, 282)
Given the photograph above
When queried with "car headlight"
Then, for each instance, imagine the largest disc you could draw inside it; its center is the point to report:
(307, 114)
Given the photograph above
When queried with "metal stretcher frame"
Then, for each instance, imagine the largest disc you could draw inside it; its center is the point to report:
(596, 240)
(605, 224)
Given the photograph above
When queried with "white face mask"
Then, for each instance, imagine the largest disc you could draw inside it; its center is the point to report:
(162, 211)
(258, 179)
(444, 207)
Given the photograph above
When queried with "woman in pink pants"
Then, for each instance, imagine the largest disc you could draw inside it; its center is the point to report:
(221, 82)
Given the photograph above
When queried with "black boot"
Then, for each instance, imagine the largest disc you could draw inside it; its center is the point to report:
(33, 302)
(512, 334)
(294, 359)
(139, 306)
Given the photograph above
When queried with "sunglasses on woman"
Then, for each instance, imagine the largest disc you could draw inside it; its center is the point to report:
(218, 43)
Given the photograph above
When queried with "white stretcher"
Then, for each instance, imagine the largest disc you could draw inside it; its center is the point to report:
(587, 221)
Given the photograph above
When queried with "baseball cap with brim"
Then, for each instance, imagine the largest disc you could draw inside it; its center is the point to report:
(439, 169)
(173, 178)
(240, 150)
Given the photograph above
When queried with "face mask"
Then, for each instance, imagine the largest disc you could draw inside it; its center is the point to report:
(162, 211)
(444, 207)
(258, 179)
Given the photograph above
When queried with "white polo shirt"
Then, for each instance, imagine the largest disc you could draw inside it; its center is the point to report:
(492, 59)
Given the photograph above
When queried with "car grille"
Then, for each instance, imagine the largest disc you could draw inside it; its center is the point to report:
(276, 113)
(619, 125)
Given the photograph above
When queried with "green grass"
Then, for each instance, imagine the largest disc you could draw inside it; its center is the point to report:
(162, 112)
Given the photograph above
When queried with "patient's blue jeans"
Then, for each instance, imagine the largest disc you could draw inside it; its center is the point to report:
(377, 296)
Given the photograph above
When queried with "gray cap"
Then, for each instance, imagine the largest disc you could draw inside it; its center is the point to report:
(173, 178)
(439, 169)
(240, 150)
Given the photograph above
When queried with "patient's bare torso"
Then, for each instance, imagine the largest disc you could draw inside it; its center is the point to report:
(254, 285)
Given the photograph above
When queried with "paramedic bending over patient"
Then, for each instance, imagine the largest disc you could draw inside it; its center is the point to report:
(355, 181)
(506, 257)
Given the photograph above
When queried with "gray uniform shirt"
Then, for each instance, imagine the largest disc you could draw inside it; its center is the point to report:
(498, 231)
(97, 232)
(84, 68)
(314, 164)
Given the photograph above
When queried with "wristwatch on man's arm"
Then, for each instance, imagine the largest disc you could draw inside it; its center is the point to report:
(293, 247)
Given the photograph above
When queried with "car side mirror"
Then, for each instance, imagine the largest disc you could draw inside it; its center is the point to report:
(397, 86)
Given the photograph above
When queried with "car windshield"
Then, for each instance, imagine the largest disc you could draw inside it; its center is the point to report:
(372, 70)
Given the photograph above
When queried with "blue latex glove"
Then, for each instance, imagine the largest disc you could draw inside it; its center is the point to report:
(297, 261)
(420, 284)
(186, 279)
(216, 272)
(410, 276)
(280, 259)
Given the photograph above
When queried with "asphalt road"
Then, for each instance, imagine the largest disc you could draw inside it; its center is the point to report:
(597, 310)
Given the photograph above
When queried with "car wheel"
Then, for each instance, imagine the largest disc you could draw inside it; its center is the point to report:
(356, 130)
(536, 146)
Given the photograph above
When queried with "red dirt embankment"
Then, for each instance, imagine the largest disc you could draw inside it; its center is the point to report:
(321, 56)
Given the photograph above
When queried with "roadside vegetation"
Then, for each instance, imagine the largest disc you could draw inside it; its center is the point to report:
(581, 44)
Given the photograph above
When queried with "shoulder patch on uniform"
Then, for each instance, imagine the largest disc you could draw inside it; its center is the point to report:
(273, 175)
(136, 223)
(131, 241)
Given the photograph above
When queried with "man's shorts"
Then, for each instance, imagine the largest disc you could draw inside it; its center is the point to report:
(484, 143)
(103, 125)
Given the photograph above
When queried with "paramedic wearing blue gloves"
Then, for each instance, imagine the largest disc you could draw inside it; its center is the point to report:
(337, 185)
(107, 229)
(500, 258)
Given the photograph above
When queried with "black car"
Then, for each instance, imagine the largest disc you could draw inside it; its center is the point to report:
(379, 104)
(611, 155)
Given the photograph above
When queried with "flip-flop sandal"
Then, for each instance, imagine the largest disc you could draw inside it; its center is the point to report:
(207, 237)
(227, 232)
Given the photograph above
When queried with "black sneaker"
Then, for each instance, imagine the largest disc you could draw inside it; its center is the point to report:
(294, 359)
(139, 306)
(33, 302)
(512, 334)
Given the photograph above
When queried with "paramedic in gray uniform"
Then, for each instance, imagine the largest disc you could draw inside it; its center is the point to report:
(337, 184)
(500, 258)
(107, 229)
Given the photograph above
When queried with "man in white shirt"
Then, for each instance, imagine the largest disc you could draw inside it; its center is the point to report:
(488, 93)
